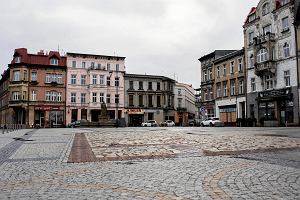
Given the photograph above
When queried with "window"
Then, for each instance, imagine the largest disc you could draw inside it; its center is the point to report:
(158, 104)
(92, 65)
(287, 79)
(108, 81)
(83, 97)
(240, 67)
(108, 98)
(33, 76)
(59, 96)
(130, 84)
(101, 97)
(54, 95)
(47, 78)
(16, 96)
(48, 96)
(101, 79)
(25, 75)
(253, 85)
(140, 85)
(18, 59)
(241, 87)
(83, 78)
(53, 61)
(74, 64)
(224, 70)
(285, 24)
(59, 78)
(179, 92)
(94, 79)
(116, 98)
(24, 95)
(269, 82)
(108, 66)
(117, 67)
(265, 9)
(33, 95)
(267, 29)
(218, 71)
(286, 50)
(262, 55)
(16, 76)
(131, 100)
(94, 97)
(83, 65)
(205, 75)
(150, 103)
(232, 67)
(225, 89)
(179, 103)
(251, 18)
(210, 74)
(251, 59)
(251, 37)
(232, 87)
(117, 81)
(141, 101)
(54, 78)
(283, 2)
(149, 85)
(218, 90)
(73, 79)
(73, 97)
(158, 86)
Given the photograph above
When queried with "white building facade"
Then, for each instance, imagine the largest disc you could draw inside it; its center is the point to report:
(270, 53)
(93, 80)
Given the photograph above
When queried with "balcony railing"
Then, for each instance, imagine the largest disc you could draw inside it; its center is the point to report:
(268, 66)
(264, 38)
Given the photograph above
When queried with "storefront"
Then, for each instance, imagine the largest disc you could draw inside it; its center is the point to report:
(49, 117)
(135, 117)
(228, 115)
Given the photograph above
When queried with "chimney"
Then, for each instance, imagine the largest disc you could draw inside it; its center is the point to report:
(41, 52)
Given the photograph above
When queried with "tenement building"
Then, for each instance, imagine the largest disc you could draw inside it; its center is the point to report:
(37, 88)
(5, 117)
(270, 56)
(207, 82)
(229, 87)
(297, 29)
(184, 102)
(148, 97)
(92, 81)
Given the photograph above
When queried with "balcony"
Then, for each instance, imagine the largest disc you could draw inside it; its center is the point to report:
(262, 68)
(269, 37)
(181, 109)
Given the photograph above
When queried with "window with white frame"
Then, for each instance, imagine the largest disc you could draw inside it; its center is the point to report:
(285, 23)
(218, 71)
(83, 65)
(108, 66)
(33, 76)
(218, 90)
(83, 95)
(73, 79)
(48, 96)
(286, 50)
(59, 96)
(83, 79)
(117, 98)
(210, 74)
(251, 59)
(92, 65)
(224, 70)
(99, 66)
(117, 67)
(287, 78)
(108, 98)
(269, 82)
(74, 64)
(53, 61)
(251, 37)
(101, 79)
(94, 79)
(18, 59)
(267, 29)
(54, 96)
(101, 97)
(54, 78)
(265, 9)
(117, 79)
(16, 96)
(33, 95)
(232, 67)
(253, 85)
(48, 78)
(59, 78)
(225, 89)
(262, 55)
(241, 86)
(240, 66)
(232, 87)
(16, 76)
(94, 97)
(73, 97)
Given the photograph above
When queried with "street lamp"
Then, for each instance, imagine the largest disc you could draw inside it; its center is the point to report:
(117, 94)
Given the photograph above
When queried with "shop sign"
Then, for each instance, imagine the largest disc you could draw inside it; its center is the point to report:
(135, 111)
(275, 93)
(47, 108)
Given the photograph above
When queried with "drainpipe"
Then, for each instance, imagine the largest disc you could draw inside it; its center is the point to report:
(297, 62)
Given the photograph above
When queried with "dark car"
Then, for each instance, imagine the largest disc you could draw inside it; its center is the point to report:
(77, 123)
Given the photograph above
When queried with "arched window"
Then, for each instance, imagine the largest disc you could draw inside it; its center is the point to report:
(265, 9)
(286, 50)
(262, 55)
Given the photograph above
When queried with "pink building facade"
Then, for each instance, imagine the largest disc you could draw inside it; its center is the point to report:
(93, 80)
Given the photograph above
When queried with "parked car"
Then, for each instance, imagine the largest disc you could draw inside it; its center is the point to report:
(77, 123)
(168, 123)
(149, 123)
(211, 121)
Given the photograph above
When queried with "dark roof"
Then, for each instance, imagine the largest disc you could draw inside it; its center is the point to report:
(215, 54)
(147, 76)
(230, 55)
(95, 56)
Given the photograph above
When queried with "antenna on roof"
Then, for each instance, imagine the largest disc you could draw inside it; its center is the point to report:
(58, 48)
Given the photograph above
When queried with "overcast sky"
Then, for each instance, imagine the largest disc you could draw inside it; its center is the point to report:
(160, 37)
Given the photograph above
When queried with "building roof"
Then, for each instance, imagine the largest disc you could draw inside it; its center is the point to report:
(297, 12)
(230, 56)
(215, 54)
(147, 76)
(95, 56)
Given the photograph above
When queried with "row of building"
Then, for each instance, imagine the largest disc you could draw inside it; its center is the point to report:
(259, 82)
(53, 90)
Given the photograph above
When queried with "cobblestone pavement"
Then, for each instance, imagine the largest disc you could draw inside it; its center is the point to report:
(241, 164)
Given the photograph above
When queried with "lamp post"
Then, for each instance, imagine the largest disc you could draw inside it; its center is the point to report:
(117, 94)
